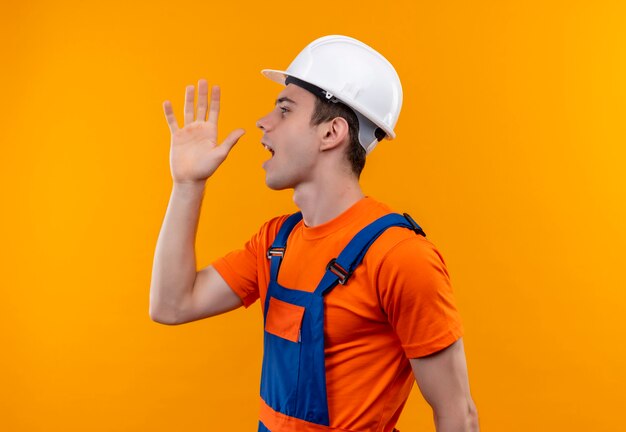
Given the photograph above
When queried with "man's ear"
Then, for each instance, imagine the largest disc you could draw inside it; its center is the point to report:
(333, 133)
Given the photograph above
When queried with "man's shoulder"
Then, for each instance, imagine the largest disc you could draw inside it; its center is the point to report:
(396, 241)
(404, 249)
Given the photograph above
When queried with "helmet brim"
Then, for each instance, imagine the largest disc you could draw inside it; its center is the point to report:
(275, 75)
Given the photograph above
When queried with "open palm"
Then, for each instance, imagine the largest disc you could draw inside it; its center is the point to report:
(194, 152)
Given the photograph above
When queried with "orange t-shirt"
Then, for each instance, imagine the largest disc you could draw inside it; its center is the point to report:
(397, 305)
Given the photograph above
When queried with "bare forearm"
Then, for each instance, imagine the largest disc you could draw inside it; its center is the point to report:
(465, 420)
(174, 266)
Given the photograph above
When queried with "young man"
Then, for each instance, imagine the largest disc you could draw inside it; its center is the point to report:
(357, 303)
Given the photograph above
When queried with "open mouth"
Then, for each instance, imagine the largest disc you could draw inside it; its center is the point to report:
(268, 148)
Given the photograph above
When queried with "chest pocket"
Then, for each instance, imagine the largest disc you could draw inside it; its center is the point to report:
(284, 319)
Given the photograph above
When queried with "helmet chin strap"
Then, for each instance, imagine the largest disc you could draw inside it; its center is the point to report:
(369, 133)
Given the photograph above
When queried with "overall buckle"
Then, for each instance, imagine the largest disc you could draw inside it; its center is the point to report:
(275, 251)
(338, 271)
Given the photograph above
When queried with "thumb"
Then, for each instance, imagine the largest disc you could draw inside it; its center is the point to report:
(230, 141)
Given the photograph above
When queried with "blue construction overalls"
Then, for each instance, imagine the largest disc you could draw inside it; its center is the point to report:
(293, 377)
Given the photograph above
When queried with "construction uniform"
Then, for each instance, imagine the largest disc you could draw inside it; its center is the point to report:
(346, 304)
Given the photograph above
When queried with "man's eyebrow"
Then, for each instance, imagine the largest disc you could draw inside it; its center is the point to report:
(284, 99)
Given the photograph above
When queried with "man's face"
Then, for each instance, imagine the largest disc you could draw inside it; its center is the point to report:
(288, 134)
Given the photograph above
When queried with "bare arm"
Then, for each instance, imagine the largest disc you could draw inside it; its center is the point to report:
(177, 293)
(442, 379)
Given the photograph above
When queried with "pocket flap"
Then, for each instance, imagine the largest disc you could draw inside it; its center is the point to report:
(284, 319)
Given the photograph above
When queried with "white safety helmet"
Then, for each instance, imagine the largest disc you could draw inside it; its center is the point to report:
(344, 69)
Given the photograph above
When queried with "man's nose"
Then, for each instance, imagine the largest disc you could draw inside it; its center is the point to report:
(263, 123)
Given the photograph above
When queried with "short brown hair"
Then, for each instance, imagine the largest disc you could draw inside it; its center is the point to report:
(325, 111)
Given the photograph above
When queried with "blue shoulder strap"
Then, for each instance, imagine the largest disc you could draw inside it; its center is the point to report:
(277, 249)
(341, 268)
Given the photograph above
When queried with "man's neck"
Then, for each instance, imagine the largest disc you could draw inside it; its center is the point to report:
(320, 203)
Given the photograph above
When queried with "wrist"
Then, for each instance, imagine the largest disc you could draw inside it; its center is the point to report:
(191, 187)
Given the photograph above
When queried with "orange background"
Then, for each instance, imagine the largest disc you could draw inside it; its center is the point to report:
(510, 154)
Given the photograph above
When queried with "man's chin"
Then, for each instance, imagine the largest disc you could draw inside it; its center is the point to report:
(275, 184)
(277, 187)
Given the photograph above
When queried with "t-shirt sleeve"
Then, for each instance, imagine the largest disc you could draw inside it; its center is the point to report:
(242, 269)
(416, 294)
(238, 268)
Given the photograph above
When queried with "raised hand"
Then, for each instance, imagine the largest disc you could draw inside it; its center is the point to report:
(194, 153)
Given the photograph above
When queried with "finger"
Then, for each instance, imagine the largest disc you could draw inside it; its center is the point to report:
(189, 93)
(230, 141)
(203, 89)
(214, 111)
(169, 116)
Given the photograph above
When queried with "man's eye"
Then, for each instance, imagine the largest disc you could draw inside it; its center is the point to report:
(283, 110)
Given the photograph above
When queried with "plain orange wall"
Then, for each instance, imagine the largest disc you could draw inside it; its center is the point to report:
(510, 153)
